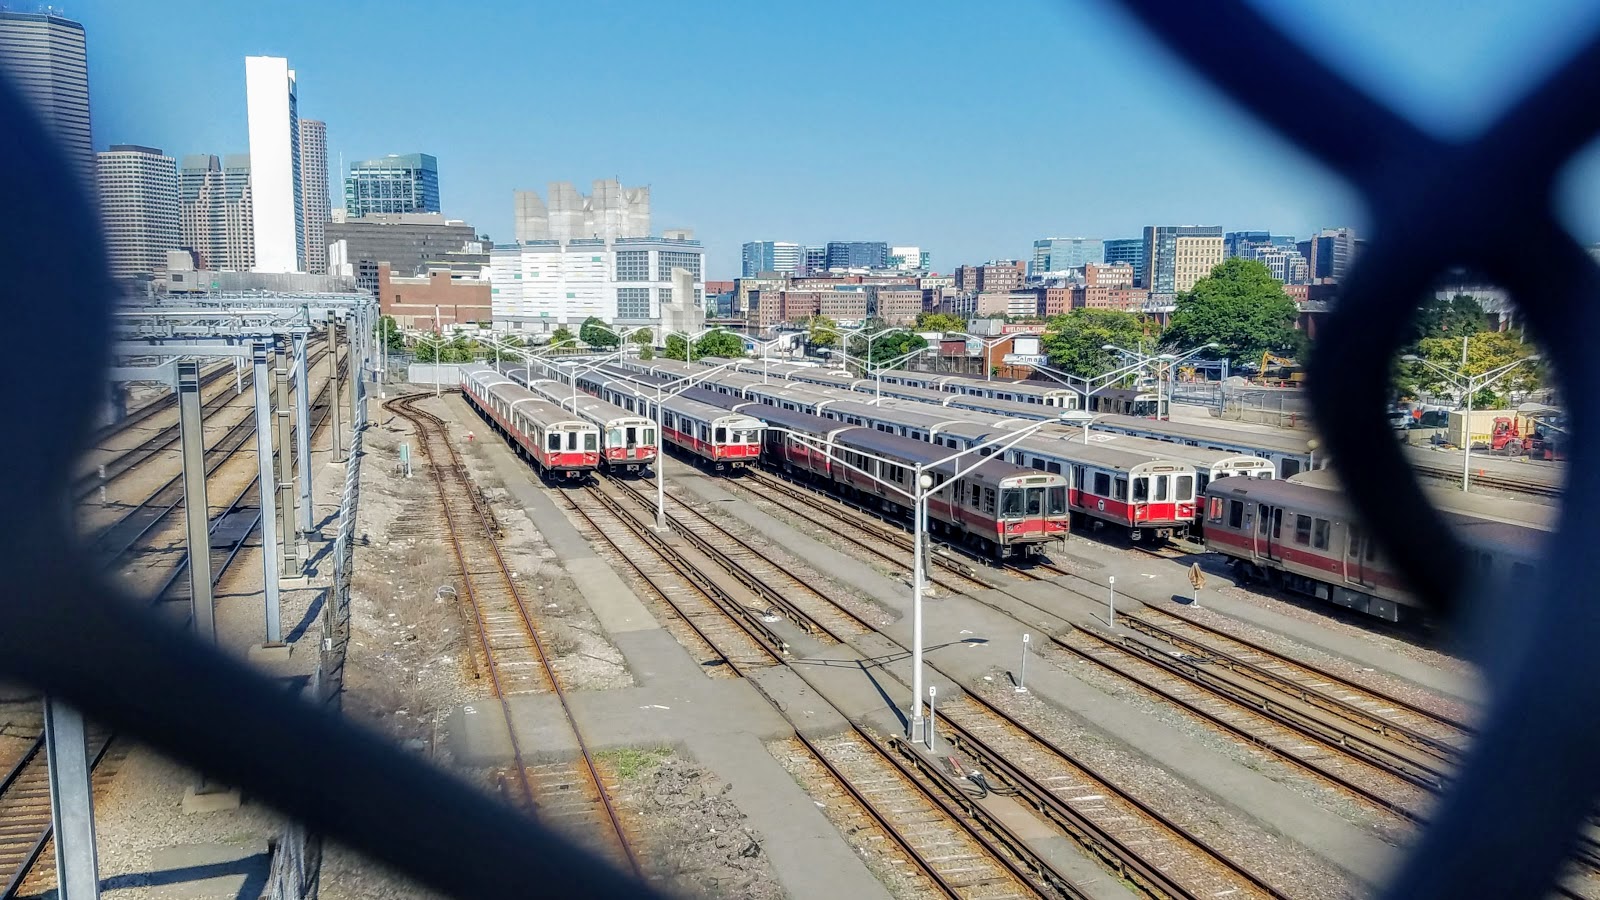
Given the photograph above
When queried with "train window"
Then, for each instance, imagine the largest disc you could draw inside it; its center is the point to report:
(1185, 490)
(572, 440)
(649, 436)
(1102, 484)
(1053, 467)
(1352, 547)
(1214, 510)
(722, 435)
(1161, 486)
(1302, 529)
(1119, 488)
(1037, 463)
(1011, 504)
(1035, 501)
(988, 500)
(1058, 501)
(591, 441)
(1319, 534)
(1141, 490)
(974, 503)
(555, 441)
(1236, 514)
(1290, 467)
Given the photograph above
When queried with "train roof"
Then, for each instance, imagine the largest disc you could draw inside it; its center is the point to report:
(1290, 443)
(897, 411)
(587, 405)
(677, 403)
(1517, 512)
(800, 421)
(1117, 458)
(527, 403)
(1200, 456)
(919, 453)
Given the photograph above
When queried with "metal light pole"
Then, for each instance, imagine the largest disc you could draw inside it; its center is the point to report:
(1469, 385)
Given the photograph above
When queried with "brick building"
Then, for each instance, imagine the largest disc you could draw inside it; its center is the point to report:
(992, 277)
(897, 304)
(431, 301)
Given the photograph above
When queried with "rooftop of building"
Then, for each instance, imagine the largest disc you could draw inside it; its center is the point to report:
(412, 160)
(375, 219)
(134, 148)
(45, 16)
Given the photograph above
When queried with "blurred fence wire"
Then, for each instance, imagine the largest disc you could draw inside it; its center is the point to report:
(1502, 832)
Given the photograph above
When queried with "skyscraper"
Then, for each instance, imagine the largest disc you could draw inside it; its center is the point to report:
(138, 188)
(215, 212)
(46, 57)
(1332, 251)
(816, 259)
(1130, 251)
(280, 235)
(772, 256)
(394, 184)
(1176, 256)
(858, 255)
(1061, 254)
(314, 193)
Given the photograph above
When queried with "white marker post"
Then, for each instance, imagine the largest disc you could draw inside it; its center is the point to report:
(1112, 618)
(1022, 670)
(933, 691)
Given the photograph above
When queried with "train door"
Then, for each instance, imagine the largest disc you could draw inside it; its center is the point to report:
(1358, 556)
(1269, 531)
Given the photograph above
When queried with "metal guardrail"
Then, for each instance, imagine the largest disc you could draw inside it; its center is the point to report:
(1526, 785)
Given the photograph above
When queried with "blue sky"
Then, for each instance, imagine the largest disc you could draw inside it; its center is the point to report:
(966, 128)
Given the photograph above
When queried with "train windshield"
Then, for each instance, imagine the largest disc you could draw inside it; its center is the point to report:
(1185, 489)
(614, 437)
(1141, 490)
(591, 440)
(1058, 501)
(1011, 503)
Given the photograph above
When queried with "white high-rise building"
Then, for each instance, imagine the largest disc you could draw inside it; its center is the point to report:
(539, 285)
(138, 208)
(278, 215)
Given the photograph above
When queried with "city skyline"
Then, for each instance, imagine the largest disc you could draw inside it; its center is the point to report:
(965, 201)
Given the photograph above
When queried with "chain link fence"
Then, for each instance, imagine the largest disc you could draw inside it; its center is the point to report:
(297, 853)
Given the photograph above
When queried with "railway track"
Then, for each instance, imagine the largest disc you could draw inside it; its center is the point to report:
(958, 852)
(166, 438)
(1120, 836)
(25, 823)
(1507, 483)
(569, 795)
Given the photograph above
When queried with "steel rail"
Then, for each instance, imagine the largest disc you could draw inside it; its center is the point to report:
(435, 424)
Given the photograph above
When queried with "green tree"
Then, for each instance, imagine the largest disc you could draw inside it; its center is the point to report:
(392, 334)
(1074, 341)
(935, 321)
(719, 343)
(1456, 317)
(822, 332)
(563, 336)
(645, 341)
(1485, 351)
(677, 347)
(597, 334)
(1239, 306)
(887, 347)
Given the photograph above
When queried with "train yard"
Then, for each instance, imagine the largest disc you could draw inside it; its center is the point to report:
(1092, 729)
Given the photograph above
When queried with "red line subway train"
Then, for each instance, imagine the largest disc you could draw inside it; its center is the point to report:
(559, 444)
(997, 508)
(1304, 538)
